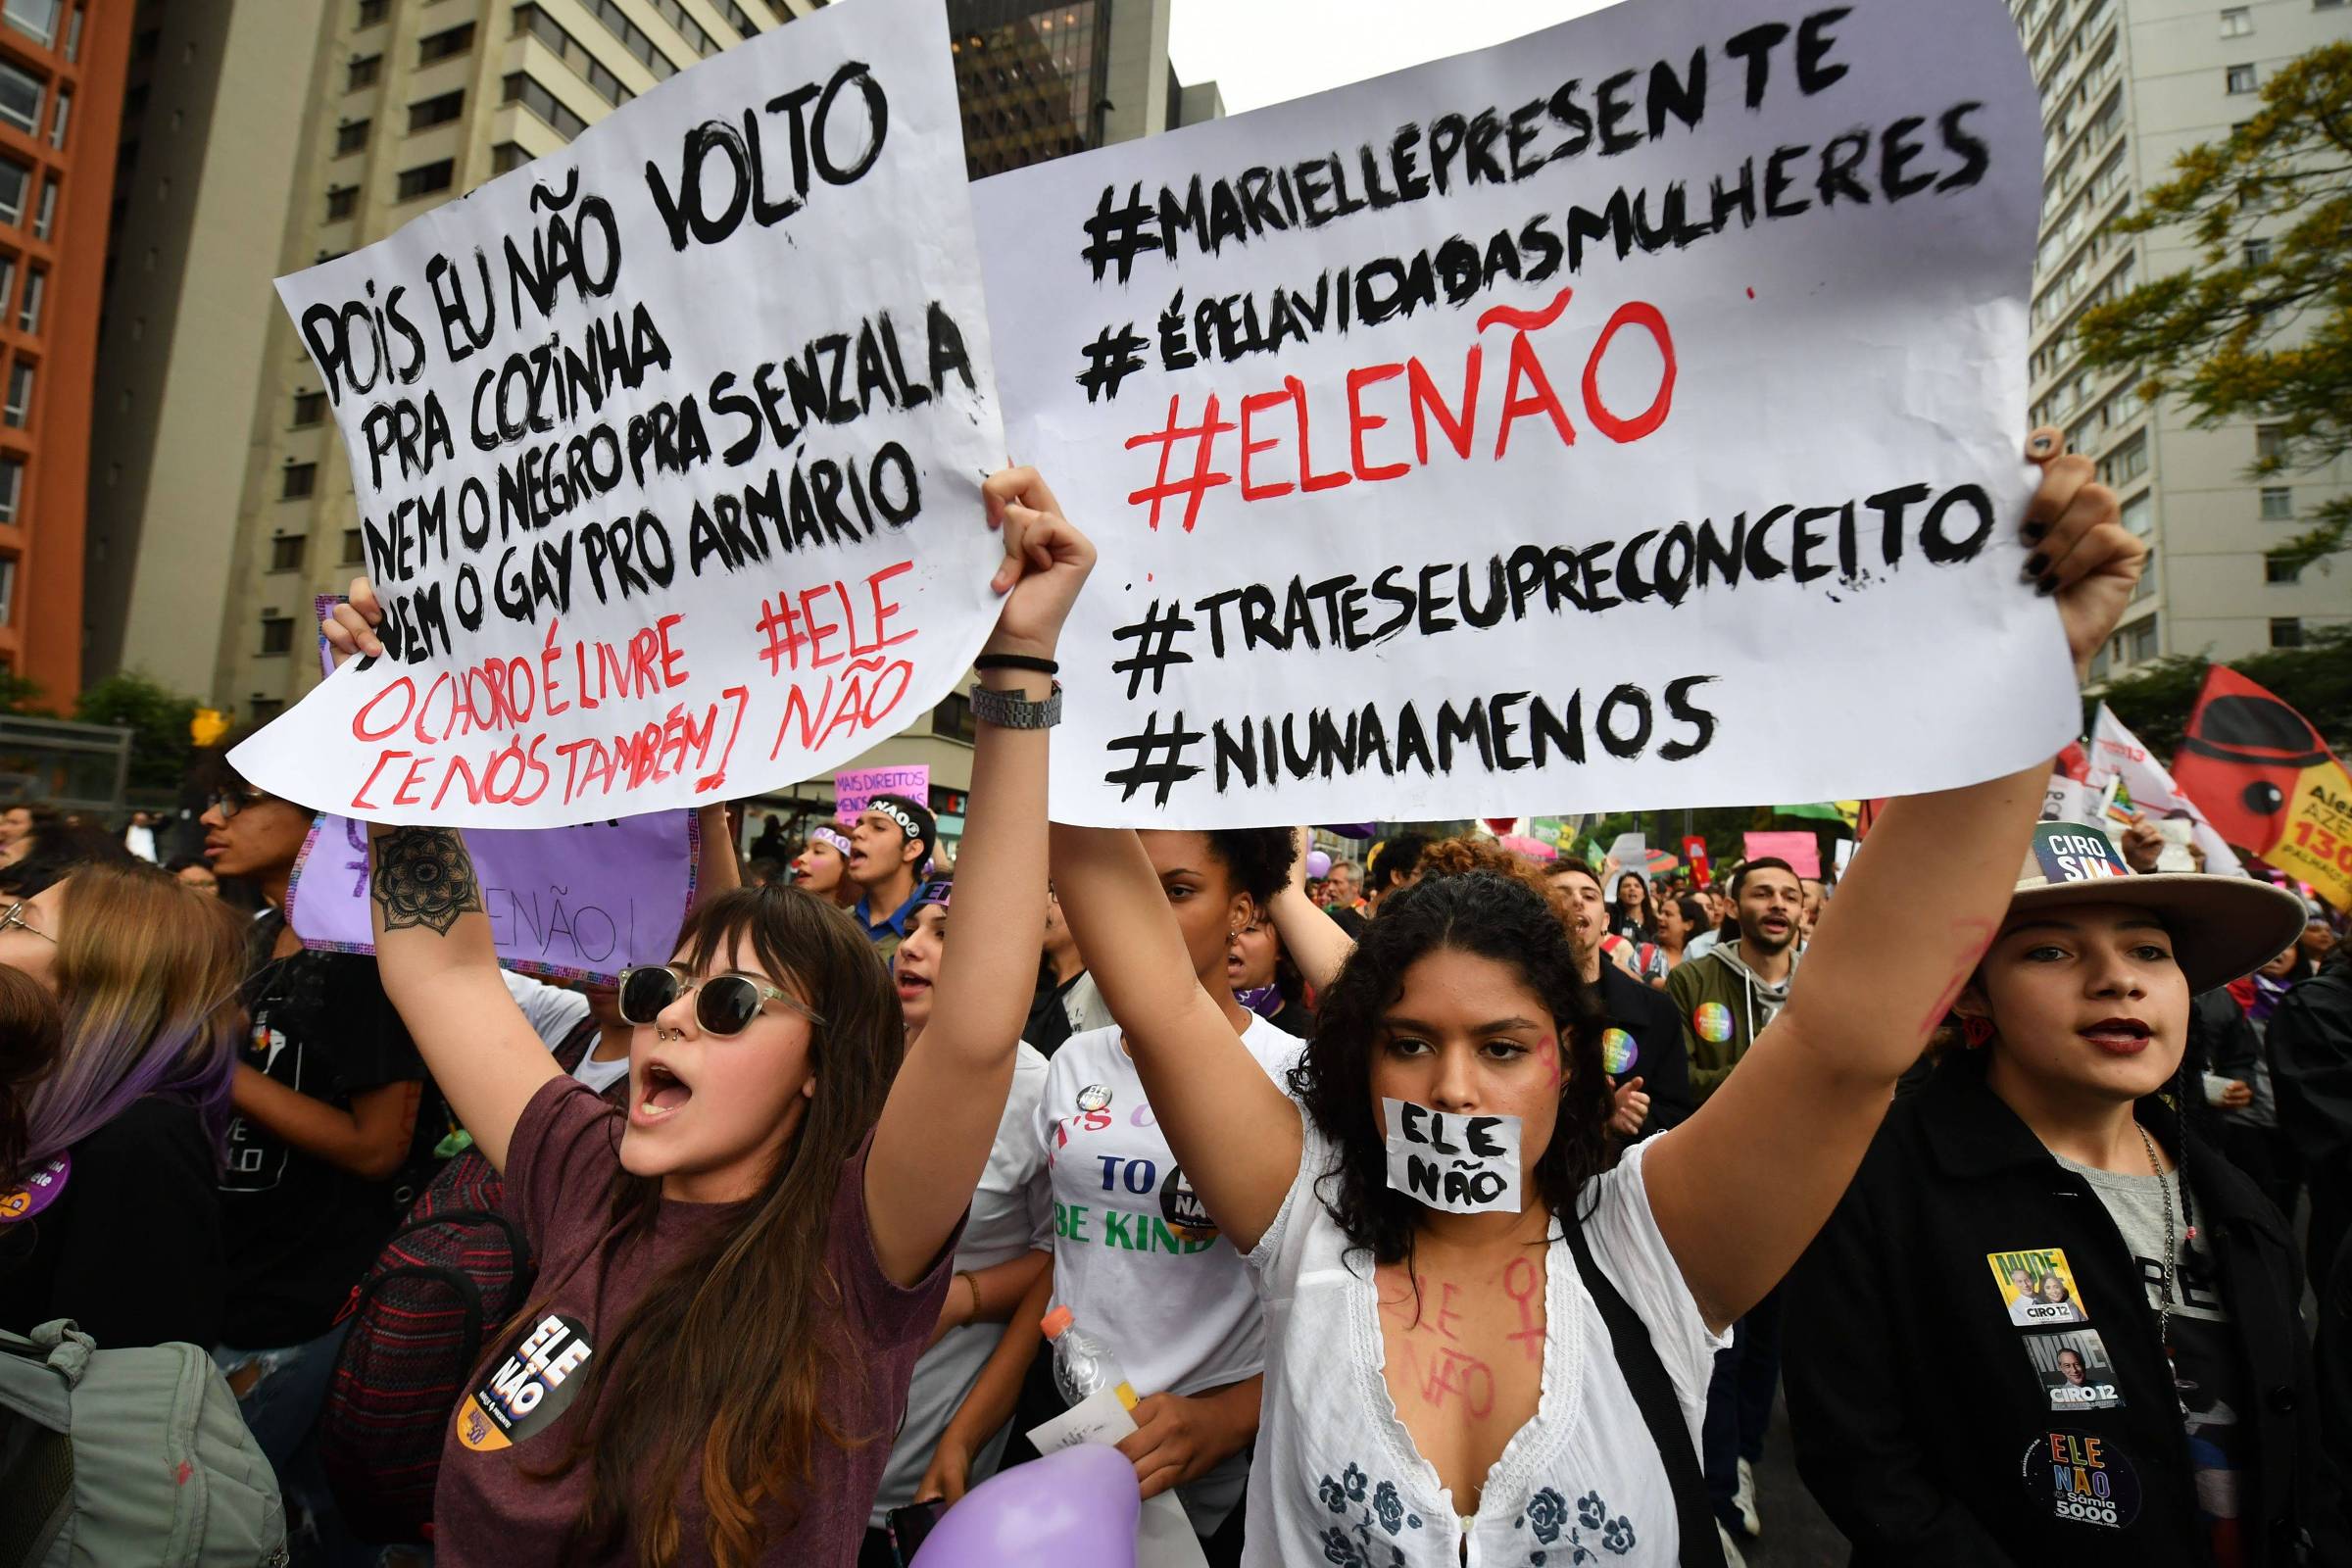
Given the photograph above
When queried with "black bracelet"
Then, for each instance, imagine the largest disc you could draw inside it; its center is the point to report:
(1028, 662)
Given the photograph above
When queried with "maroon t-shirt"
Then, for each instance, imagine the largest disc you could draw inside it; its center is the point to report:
(487, 1513)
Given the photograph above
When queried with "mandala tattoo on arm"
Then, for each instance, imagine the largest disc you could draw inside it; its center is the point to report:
(424, 877)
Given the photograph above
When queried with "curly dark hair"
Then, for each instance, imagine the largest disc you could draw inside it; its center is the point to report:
(1258, 858)
(1489, 915)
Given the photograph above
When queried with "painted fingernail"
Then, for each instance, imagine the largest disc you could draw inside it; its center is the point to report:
(2047, 586)
(2042, 443)
(2037, 564)
(2035, 530)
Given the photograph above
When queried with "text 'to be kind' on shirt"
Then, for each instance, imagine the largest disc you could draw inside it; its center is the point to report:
(520, 1409)
(1338, 1479)
(1136, 1256)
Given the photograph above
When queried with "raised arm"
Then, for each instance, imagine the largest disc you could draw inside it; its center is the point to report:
(1235, 1132)
(942, 1114)
(1310, 935)
(433, 950)
(1744, 1184)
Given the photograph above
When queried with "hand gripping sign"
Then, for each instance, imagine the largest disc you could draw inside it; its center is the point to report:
(1630, 412)
(667, 449)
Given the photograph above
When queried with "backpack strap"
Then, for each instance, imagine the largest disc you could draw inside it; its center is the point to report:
(1653, 1392)
(573, 1048)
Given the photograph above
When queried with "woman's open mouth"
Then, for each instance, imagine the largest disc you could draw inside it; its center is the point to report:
(911, 986)
(2118, 1037)
(660, 1093)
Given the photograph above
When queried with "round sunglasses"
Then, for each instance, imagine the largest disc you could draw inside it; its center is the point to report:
(724, 1004)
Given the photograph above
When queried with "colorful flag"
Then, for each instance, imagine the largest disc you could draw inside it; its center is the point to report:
(1821, 810)
(2116, 753)
(2268, 783)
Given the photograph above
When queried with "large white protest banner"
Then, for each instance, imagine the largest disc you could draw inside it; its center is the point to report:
(668, 448)
(2116, 753)
(1634, 412)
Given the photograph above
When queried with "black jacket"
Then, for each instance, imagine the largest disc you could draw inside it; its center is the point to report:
(1918, 1418)
(2311, 1064)
(1660, 1060)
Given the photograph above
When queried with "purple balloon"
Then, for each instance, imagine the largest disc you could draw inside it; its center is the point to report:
(1318, 865)
(1073, 1509)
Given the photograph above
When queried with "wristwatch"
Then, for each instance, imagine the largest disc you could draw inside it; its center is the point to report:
(1007, 710)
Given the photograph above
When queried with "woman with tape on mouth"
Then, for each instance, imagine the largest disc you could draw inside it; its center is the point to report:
(2052, 1122)
(1531, 1378)
(822, 869)
(733, 1288)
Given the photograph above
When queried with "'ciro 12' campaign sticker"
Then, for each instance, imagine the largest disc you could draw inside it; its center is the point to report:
(2085, 1478)
(528, 1387)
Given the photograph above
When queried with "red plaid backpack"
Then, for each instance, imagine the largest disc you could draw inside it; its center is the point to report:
(454, 1271)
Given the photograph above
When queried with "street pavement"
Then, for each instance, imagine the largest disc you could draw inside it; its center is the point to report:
(1796, 1533)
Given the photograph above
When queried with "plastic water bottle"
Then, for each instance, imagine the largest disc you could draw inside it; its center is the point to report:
(1083, 1366)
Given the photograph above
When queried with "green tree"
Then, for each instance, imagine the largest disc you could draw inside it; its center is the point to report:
(2315, 681)
(159, 719)
(18, 695)
(2263, 332)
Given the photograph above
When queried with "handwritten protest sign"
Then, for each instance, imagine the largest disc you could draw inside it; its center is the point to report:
(573, 904)
(1462, 1165)
(1632, 412)
(666, 447)
(852, 787)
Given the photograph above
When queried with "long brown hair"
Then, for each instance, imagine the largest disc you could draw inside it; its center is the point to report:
(147, 975)
(30, 1033)
(728, 1351)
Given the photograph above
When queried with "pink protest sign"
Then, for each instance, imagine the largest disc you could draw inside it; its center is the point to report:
(1801, 850)
(853, 787)
(571, 903)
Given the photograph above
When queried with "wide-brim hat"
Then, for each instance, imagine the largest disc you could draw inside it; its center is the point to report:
(2222, 928)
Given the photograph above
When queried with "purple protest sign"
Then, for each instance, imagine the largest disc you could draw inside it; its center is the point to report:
(853, 787)
(568, 903)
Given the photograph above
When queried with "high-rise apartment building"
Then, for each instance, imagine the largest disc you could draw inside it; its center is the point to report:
(1038, 80)
(61, 91)
(2127, 85)
(232, 509)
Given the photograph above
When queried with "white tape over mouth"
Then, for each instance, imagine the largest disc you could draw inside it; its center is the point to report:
(1462, 1165)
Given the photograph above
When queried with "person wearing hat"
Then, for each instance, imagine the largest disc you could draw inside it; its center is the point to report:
(889, 845)
(2048, 1143)
(822, 867)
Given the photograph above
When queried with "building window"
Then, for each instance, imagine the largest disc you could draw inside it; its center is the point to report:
(452, 42)
(8, 285)
(2236, 21)
(300, 480)
(2140, 515)
(351, 137)
(2286, 631)
(56, 121)
(265, 709)
(440, 109)
(531, 20)
(2270, 443)
(12, 487)
(739, 19)
(7, 590)
(285, 551)
(21, 98)
(2258, 253)
(15, 180)
(508, 155)
(355, 549)
(46, 214)
(2239, 79)
(278, 635)
(35, 19)
(372, 12)
(426, 179)
(310, 407)
(73, 36)
(37, 287)
(2140, 642)
(2125, 462)
(365, 73)
(341, 202)
(522, 89)
(953, 718)
(633, 39)
(2278, 502)
(2278, 568)
(17, 412)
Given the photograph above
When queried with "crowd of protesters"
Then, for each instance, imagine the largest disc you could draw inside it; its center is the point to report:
(2016, 1181)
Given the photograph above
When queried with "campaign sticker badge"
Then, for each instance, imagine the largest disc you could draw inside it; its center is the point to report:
(1618, 1053)
(35, 1192)
(2037, 1287)
(1183, 1210)
(1711, 1022)
(2077, 1373)
(1094, 1096)
(2065, 852)
(2086, 1479)
(528, 1387)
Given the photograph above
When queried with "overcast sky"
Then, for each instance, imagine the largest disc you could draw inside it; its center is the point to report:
(1261, 52)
